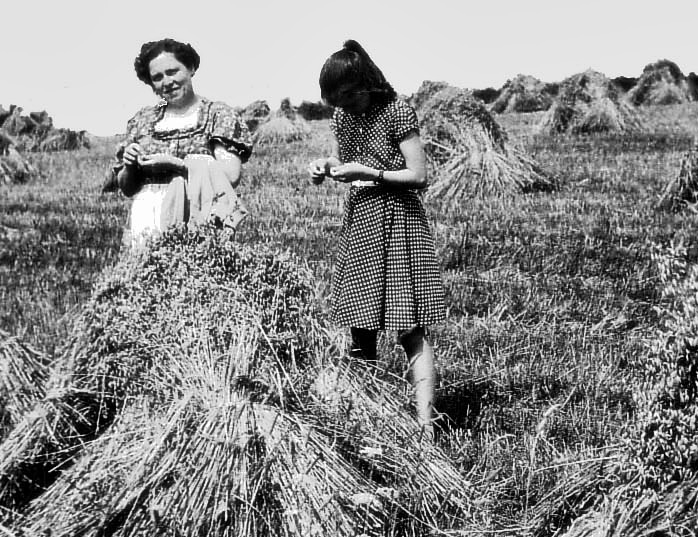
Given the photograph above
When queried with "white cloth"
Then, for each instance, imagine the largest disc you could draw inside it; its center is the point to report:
(146, 208)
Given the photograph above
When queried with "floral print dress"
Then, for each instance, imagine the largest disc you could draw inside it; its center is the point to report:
(187, 136)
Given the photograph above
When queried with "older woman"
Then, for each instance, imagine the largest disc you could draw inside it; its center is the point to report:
(181, 158)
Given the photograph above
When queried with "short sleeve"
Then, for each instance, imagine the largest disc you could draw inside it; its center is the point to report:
(404, 121)
(228, 128)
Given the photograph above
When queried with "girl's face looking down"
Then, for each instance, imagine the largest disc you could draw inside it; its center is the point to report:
(352, 98)
(171, 79)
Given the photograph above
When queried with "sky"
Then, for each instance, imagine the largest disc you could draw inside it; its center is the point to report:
(74, 58)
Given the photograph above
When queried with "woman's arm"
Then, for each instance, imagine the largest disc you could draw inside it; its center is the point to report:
(414, 175)
(128, 180)
(230, 162)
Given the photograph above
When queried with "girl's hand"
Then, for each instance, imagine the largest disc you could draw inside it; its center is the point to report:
(318, 170)
(161, 163)
(352, 171)
(132, 152)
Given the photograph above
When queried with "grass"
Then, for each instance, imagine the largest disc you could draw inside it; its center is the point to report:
(551, 296)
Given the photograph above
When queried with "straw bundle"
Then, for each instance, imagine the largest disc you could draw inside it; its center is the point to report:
(23, 372)
(426, 91)
(649, 515)
(14, 168)
(209, 462)
(522, 94)
(587, 103)
(189, 281)
(683, 189)
(279, 129)
(578, 493)
(661, 83)
(185, 404)
(368, 416)
(470, 151)
(255, 113)
(64, 140)
(4, 114)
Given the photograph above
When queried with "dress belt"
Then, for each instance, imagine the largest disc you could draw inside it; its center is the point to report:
(363, 183)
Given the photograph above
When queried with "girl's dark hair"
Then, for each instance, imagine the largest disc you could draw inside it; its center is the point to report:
(353, 64)
(184, 53)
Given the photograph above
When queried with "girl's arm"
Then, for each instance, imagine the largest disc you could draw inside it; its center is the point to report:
(414, 175)
(320, 168)
(333, 159)
(230, 162)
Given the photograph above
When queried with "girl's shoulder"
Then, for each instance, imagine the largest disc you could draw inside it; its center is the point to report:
(398, 107)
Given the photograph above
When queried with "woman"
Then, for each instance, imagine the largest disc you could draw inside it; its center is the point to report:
(387, 276)
(182, 158)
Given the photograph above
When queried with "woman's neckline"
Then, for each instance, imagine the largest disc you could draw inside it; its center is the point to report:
(190, 110)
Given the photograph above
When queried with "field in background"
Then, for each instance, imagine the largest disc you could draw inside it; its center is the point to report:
(551, 296)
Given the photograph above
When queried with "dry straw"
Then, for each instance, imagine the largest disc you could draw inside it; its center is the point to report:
(255, 113)
(523, 93)
(279, 129)
(14, 168)
(651, 487)
(64, 140)
(661, 83)
(682, 191)
(588, 103)
(186, 403)
(23, 372)
(282, 127)
(469, 151)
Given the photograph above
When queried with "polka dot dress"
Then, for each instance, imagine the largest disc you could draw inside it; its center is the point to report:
(386, 275)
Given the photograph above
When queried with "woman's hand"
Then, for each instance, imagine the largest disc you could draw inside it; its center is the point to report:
(132, 152)
(161, 163)
(318, 170)
(352, 171)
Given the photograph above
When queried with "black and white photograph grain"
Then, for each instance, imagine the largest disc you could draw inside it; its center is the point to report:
(354, 268)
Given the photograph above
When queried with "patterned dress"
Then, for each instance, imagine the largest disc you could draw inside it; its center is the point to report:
(182, 137)
(386, 275)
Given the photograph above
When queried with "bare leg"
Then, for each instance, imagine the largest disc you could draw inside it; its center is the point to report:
(363, 344)
(421, 359)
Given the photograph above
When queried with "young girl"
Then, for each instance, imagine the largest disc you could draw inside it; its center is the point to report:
(386, 277)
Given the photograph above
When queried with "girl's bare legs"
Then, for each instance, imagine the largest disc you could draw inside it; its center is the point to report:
(420, 354)
(363, 344)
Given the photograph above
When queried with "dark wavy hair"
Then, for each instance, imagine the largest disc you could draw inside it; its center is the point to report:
(351, 64)
(184, 53)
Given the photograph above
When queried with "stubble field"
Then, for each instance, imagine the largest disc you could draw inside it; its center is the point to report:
(551, 297)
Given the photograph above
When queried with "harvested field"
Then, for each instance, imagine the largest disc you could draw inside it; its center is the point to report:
(561, 308)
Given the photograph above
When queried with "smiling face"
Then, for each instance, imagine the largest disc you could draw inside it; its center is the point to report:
(352, 98)
(171, 79)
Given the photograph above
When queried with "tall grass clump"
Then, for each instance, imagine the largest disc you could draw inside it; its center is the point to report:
(588, 103)
(470, 153)
(188, 400)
